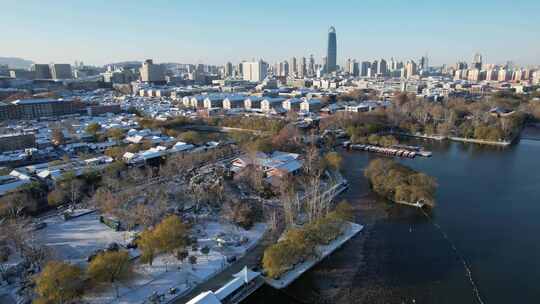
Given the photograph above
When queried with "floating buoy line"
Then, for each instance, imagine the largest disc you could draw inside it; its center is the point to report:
(468, 271)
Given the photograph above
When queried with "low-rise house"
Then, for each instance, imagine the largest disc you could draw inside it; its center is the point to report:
(311, 105)
(357, 108)
(253, 102)
(180, 147)
(143, 156)
(277, 164)
(186, 101)
(234, 102)
(292, 104)
(197, 101)
(366, 106)
(269, 104)
(11, 182)
(213, 101)
(501, 112)
(100, 160)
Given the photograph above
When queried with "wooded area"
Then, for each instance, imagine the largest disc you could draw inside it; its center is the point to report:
(397, 182)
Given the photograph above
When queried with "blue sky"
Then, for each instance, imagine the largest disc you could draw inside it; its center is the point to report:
(216, 31)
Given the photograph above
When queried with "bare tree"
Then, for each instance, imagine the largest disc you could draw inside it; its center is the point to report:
(289, 200)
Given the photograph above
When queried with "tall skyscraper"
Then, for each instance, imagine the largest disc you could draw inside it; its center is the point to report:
(311, 66)
(364, 68)
(536, 77)
(282, 69)
(353, 68)
(393, 64)
(228, 69)
(331, 54)
(383, 67)
(293, 67)
(424, 63)
(374, 68)
(477, 61)
(285, 68)
(239, 70)
(461, 65)
(348, 66)
(302, 68)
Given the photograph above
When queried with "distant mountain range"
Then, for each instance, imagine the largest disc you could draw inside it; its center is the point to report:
(16, 63)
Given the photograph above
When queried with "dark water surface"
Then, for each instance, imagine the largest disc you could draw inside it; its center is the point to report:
(488, 203)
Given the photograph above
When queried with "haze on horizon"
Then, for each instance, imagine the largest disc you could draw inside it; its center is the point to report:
(214, 32)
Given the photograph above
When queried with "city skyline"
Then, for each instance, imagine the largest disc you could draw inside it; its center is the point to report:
(99, 33)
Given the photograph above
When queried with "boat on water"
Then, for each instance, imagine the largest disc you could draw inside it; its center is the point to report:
(396, 150)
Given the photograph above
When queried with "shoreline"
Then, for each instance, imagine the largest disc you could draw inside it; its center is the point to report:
(458, 139)
(326, 250)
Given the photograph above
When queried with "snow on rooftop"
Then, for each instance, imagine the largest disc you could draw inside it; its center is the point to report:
(206, 297)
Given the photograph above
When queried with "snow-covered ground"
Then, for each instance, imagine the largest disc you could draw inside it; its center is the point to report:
(287, 278)
(167, 272)
(76, 239)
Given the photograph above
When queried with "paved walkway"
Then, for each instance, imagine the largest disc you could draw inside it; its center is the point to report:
(250, 259)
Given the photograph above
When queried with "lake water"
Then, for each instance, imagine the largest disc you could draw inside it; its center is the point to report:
(488, 204)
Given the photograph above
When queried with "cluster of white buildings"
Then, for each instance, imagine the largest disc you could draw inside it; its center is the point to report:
(253, 103)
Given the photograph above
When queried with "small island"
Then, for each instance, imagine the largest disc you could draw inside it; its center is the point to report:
(400, 183)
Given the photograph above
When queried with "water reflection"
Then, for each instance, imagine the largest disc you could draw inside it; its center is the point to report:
(487, 204)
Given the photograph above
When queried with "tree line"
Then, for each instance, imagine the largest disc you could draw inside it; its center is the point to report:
(299, 244)
(453, 117)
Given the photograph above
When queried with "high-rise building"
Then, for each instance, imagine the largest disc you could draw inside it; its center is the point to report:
(302, 68)
(285, 68)
(527, 74)
(255, 71)
(348, 66)
(282, 69)
(424, 63)
(354, 69)
(151, 72)
(504, 75)
(331, 52)
(410, 69)
(42, 71)
(311, 66)
(383, 67)
(293, 67)
(477, 61)
(492, 75)
(61, 71)
(374, 68)
(393, 64)
(475, 75)
(536, 77)
(228, 69)
(364, 68)
(461, 65)
(518, 75)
